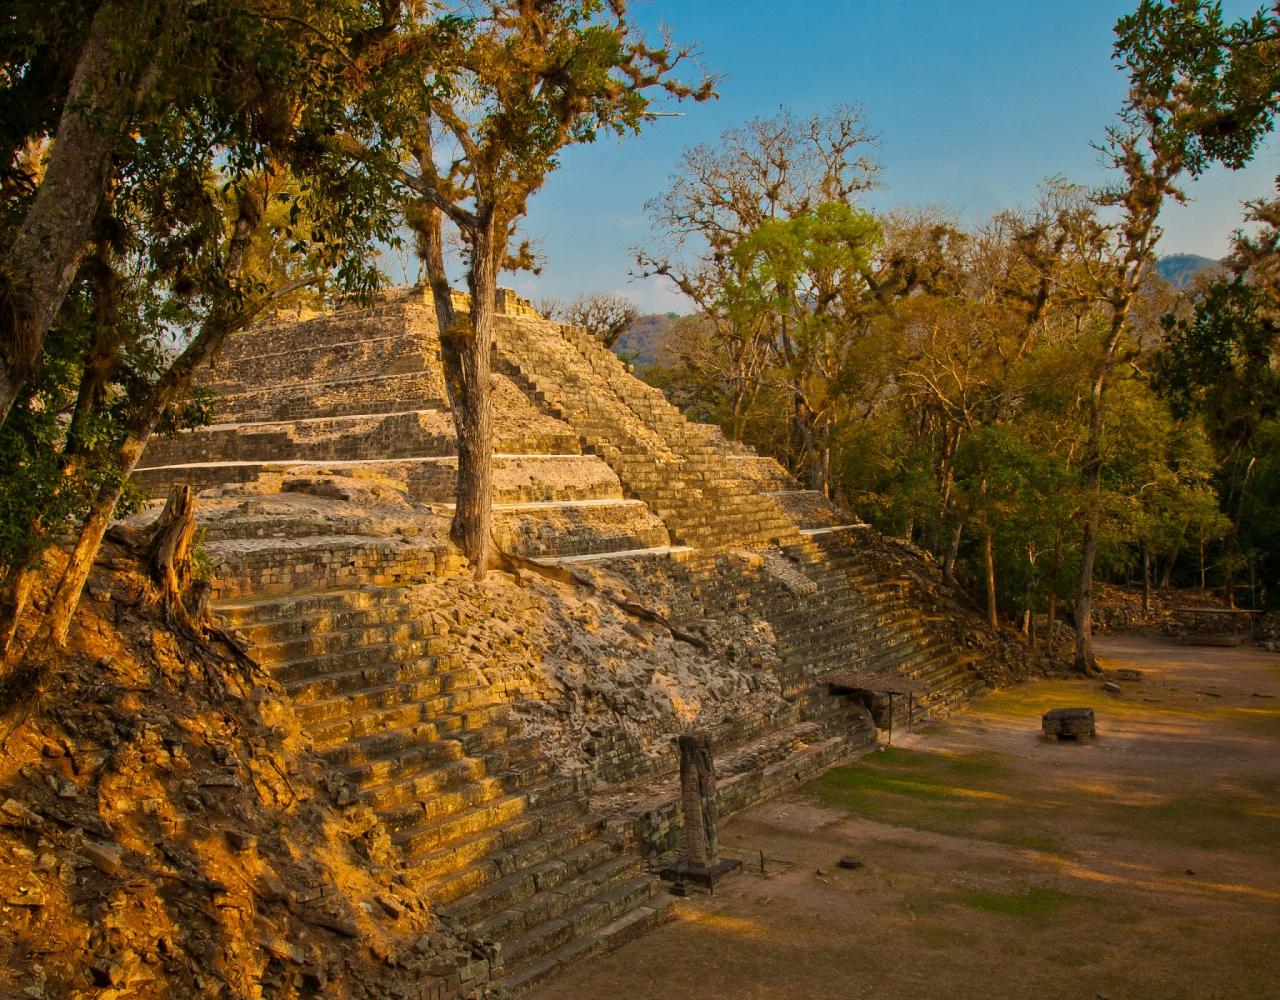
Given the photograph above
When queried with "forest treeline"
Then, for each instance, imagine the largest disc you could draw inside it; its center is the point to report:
(172, 171)
(1024, 397)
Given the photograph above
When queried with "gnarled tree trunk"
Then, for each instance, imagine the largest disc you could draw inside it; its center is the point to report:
(168, 554)
(472, 527)
(112, 74)
(173, 385)
(466, 350)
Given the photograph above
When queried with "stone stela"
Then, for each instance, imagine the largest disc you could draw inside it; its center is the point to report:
(700, 864)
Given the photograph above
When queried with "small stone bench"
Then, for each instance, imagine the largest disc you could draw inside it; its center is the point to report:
(1069, 723)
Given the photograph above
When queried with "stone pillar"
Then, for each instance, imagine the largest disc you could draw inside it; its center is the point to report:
(698, 798)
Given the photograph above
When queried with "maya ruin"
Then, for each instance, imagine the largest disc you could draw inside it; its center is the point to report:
(896, 616)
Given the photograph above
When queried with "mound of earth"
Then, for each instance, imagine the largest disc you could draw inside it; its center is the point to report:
(165, 832)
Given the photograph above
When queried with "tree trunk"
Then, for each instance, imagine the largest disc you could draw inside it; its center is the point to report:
(1051, 610)
(953, 554)
(989, 565)
(39, 266)
(467, 352)
(988, 558)
(13, 603)
(1146, 581)
(1085, 661)
(174, 384)
(168, 553)
(806, 425)
(1166, 579)
(1029, 614)
(101, 359)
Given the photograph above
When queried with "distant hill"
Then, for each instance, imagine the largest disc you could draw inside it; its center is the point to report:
(1180, 269)
(640, 342)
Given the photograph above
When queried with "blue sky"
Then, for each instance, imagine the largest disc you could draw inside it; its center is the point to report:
(975, 102)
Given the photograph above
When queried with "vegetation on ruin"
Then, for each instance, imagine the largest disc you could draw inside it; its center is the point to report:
(165, 187)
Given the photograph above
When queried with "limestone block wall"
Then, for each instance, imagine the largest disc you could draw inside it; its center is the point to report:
(261, 568)
(332, 398)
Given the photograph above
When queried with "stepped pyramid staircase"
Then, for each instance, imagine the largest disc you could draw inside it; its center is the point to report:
(591, 465)
(690, 479)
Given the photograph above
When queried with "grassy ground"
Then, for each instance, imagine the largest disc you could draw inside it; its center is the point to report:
(1143, 864)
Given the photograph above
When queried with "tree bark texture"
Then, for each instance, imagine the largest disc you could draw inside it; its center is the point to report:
(39, 266)
(169, 549)
(989, 567)
(953, 554)
(1085, 661)
(174, 384)
(1146, 581)
(472, 527)
(1051, 608)
(466, 348)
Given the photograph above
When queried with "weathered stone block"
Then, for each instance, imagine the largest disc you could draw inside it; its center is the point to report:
(1069, 723)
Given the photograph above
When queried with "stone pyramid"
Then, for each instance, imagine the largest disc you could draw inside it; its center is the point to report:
(514, 739)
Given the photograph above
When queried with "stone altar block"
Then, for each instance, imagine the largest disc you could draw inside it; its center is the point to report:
(1069, 723)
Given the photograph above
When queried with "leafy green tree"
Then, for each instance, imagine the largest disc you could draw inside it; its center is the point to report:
(806, 277)
(768, 169)
(267, 210)
(514, 85)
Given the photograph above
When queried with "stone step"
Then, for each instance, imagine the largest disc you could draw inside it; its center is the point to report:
(436, 808)
(280, 567)
(479, 847)
(536, 782)
(317, 688)
(417, 785)
(345, 659)
(273, 610)
(430, 720)
(406, 762)
(415, 738)
(396, 434)
(346, 324)
(512, 889)
(556, 898)
(422, 694)
(315, 643)
(592, 915)
(394, 352)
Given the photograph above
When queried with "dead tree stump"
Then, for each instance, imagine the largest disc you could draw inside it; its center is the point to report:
(169, 548)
